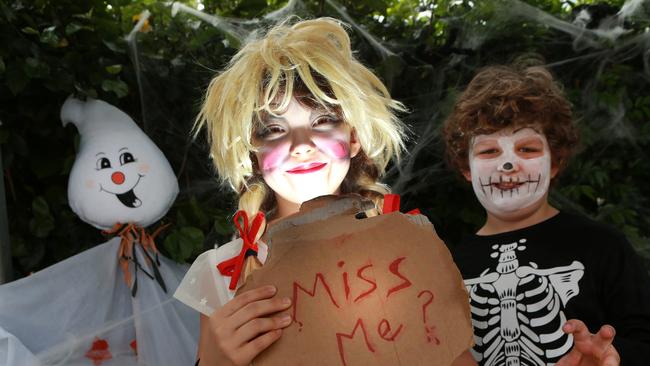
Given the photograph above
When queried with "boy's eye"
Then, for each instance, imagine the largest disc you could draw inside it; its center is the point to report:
(487, 152)
(530, 149)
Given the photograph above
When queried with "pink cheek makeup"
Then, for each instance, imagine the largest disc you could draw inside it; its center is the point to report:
(334, 148)
(272, 157)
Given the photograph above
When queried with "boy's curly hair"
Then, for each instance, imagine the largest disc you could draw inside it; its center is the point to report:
(499, 97)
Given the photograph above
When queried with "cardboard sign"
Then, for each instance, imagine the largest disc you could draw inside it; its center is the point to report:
(375, 291)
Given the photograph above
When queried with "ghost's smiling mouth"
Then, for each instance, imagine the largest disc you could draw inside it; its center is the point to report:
(128, 198)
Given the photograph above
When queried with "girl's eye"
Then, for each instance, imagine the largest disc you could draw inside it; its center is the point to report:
(126, 158)
(103, 163)
(324, 122)
(271, 131)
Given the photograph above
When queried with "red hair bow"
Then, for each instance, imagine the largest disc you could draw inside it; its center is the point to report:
(391, 204)
(232, 267)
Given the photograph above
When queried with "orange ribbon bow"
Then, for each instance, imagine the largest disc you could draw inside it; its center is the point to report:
(391, 204)
(232, 267)
(133, 234)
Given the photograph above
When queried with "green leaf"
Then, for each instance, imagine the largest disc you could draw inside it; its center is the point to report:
(16, 78)
(86, 16)
(198, 213)
(75, 27)
(35, 69)
(30, 30)
(40, 206)
(114, 69)
(116, 86)
(222, 226)
(42, 223)
(50, 37)
(114, 46)
(184, 242)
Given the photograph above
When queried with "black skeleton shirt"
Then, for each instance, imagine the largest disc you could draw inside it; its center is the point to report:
(525, 284)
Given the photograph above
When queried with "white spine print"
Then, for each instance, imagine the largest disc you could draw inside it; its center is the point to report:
(510, 317)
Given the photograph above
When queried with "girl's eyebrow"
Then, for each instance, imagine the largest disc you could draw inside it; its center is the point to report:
(319, 111)
(271, 118)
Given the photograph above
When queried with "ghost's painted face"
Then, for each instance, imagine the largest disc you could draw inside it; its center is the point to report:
(304, 153)
(119, 173)
(510, 169)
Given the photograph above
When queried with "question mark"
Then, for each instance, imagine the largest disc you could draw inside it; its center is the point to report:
(424, 306)
(430, 331)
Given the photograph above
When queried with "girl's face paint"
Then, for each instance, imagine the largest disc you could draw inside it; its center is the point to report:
(304, 153)
(510, 170)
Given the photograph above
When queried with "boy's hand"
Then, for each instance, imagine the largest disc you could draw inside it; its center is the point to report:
(590, 349)
(242, 328)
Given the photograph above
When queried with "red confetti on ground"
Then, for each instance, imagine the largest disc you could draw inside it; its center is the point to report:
(134, 346)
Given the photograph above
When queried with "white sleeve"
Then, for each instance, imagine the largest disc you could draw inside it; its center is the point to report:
(203, 288)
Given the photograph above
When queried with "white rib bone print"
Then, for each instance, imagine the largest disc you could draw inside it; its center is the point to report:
(510, 304)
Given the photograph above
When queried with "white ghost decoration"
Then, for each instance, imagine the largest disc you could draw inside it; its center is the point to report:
(119, 174)
(80, 311)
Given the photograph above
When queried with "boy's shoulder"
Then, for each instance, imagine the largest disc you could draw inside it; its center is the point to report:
(586, 227)
(561, 229)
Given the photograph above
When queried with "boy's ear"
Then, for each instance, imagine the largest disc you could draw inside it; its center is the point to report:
(554, 169)
(467, 174)
(355, 145)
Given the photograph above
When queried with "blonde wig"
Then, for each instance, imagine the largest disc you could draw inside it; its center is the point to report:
(263, 77)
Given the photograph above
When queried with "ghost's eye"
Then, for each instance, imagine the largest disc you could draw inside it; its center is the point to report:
(126, 158)
(103, 163)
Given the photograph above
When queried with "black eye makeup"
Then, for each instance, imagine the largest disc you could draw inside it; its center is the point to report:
(325, 121)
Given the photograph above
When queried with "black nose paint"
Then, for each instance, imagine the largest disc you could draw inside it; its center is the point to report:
(507, 166)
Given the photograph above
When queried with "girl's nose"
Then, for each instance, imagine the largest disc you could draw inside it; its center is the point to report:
(301, 144)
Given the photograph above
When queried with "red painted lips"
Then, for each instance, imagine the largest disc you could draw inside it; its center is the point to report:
(306, 168)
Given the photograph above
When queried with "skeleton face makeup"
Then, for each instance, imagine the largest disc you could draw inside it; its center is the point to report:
(304, 153)
(510, 170)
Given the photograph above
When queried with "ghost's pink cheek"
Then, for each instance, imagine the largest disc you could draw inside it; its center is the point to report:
(273, 157)
(91, 184)
(334, 148)
(144, 168)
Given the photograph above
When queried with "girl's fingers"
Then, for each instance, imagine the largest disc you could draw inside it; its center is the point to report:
(246, 298)
(252, 329)
(253, 348)
(258, 309)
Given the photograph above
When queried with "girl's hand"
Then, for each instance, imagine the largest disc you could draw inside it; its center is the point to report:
(590, 349)
(241, 329)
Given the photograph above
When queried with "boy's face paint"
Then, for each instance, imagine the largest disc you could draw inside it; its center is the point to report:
(305, 153)
(510, 170)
